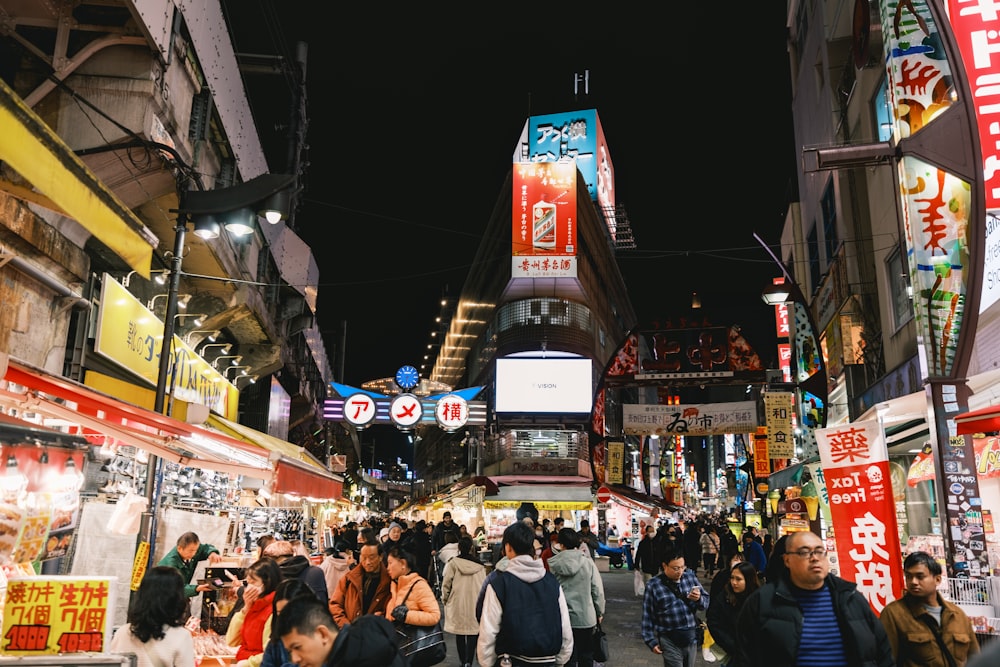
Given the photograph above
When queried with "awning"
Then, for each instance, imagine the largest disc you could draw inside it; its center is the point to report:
(786, 477)
(543, 496)
(297, 472)
(65, 184)
(65, 403)
(640, 502)
(983, 420)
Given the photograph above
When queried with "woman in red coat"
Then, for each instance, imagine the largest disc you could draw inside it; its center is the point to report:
(250, 627)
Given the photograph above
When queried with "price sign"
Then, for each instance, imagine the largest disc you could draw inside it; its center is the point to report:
(57, 614)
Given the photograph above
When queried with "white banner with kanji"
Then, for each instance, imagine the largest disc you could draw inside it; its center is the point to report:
(856, 470)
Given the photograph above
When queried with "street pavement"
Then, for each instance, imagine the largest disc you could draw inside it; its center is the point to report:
(622, 624)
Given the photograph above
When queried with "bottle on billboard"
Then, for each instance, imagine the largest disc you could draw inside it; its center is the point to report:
(544, 229)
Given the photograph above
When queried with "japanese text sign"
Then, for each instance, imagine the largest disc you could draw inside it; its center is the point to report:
(761, 460)
(859, 488)
(544, 219)
(778, 417)
(975, 26)
(699, 419)
(57, 614)
(616, 462)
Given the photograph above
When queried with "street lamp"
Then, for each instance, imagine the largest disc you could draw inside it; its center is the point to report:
(259, 194)
(809, 368)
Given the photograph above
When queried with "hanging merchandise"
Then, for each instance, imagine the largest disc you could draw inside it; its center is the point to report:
(127, 516)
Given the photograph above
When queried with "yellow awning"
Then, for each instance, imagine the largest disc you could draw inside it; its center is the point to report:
(32, 149)
(263, 440)
(556, 505)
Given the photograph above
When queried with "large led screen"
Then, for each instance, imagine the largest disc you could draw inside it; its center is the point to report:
(544, 385)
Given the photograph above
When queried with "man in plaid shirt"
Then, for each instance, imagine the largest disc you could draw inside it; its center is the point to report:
(669, 623)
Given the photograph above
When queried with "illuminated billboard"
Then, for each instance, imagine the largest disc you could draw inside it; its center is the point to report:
(543, 220)
(572, 135)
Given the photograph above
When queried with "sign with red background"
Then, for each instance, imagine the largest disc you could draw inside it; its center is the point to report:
(544, 220)
(859, 487)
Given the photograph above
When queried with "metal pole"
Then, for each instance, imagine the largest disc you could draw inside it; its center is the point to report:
(147, 528)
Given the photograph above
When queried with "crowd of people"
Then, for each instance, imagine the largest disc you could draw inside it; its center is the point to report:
(768, 603)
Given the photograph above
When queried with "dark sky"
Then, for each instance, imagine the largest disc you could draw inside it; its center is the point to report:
(413, 119)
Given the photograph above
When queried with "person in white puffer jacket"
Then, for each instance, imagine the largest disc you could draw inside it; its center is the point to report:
(338, 562)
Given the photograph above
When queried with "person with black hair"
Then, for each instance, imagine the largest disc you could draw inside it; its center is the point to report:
(369, 641)
(250, 628)
(185, 556)
(584, 591)
(670, 611)
(411, 600)
(155, 629)
(418, 542)
(725, 607)
(925, 629)
(463, 579)
(810, 616)
(288, 591)
(308, 632)
(519, 608)
(363, 590)
(588, 538)
(775, 567)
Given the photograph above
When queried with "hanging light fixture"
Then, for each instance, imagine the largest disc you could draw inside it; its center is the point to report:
(13, 483)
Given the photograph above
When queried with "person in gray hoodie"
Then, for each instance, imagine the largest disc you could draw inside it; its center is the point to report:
(584, 591)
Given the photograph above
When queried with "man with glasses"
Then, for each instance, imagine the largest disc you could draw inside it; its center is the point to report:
(809, 616)
(363, 590)
(669, 611)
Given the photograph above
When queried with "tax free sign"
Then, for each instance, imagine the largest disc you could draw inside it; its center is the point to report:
(856, 470)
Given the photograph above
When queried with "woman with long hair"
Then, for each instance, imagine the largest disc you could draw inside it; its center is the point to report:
(289, 590)
(723, 609)
(155, 630)
(463, 578)
(250, 627)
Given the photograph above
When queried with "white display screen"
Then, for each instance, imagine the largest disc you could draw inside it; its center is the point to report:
(544, 385)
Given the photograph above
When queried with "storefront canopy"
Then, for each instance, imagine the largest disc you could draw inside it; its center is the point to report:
(984, 420)
(543, 496)
(297, 472)
(82, 410)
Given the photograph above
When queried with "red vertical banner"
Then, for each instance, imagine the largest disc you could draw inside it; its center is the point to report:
(856, 470)
(761, 459)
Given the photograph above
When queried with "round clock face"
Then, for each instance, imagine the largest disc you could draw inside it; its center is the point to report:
(407, 377)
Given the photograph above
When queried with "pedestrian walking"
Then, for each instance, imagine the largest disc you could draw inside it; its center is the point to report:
(647, 561)
(363, 590)
(924, 629)
(710, 544)
(809, 616)
(725, 607)
(584, 591)
(463, 579)
(753, 552)
(520, 608)
(670, 612)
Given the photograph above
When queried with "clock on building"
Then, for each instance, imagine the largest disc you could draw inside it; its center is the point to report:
(407, 378)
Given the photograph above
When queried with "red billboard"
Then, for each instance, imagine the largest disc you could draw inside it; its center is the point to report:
(543, 225)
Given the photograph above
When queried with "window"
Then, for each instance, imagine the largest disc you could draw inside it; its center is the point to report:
(899, 288)
(829, 206)
(882, 112)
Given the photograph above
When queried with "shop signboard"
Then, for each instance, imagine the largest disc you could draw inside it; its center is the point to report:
(57, 614)
(544, 220)
(695, 419)
(778, 416)
(856, 470)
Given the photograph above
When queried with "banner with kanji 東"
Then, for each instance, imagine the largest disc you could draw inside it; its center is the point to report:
(856, 470)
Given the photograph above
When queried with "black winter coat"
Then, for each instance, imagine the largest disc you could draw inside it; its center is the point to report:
(769, 626)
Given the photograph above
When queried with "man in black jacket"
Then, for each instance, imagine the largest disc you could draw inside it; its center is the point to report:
(810, 616)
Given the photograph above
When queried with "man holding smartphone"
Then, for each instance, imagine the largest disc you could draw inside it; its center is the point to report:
(669, 611)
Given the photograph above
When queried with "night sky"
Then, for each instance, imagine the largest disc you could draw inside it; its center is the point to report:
(413, 119)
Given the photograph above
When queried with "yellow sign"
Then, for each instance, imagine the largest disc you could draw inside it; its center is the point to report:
(139, 565)
(616, 462)
(778, 406)
(555, 505)
(131, 336)
(57, 614)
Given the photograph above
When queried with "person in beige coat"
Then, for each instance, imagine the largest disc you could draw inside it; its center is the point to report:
(463, 579)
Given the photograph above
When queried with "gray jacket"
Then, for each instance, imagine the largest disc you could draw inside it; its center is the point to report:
(582, 585)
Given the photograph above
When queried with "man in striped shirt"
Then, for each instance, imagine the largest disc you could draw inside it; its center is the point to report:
(809, 617)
